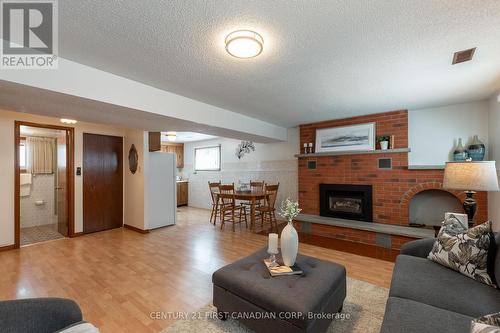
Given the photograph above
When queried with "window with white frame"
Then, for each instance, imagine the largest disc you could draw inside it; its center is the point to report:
(207, 158)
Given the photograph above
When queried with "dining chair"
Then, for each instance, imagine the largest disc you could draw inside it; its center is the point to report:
(257, 185)
(267, 212)
(229, 211)
(254, 186)
(214, 188)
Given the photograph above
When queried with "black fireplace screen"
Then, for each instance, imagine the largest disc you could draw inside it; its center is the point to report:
(346, 201)
(346, 205)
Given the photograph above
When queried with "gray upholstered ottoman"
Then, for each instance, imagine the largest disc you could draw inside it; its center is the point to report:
(244, 290)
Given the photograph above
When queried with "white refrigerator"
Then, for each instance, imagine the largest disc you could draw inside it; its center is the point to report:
(161, 190)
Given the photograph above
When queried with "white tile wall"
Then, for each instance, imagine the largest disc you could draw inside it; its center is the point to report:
(42, 188)
(285, 172)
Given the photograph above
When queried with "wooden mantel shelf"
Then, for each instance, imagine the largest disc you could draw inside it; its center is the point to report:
(425, 167)
(356, 152)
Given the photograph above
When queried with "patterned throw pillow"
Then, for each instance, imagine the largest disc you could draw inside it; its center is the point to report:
(464, 250)
(487, 324)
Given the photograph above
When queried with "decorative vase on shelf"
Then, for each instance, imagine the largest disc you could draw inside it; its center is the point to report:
(289, 237)
(311, 149)
(460, 153)
(477, 149)
(289, 244)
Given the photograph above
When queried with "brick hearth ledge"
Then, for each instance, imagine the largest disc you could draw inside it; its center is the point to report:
(367, 226)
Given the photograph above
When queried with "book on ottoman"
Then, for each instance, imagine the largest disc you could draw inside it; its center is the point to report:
(282, 270)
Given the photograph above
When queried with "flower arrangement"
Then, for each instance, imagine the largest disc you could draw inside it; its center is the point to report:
(289, 209)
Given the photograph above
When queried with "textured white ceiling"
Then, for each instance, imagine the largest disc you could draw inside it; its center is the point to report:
(322, 59)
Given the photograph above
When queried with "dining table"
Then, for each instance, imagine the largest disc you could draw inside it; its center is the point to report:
(252, 196)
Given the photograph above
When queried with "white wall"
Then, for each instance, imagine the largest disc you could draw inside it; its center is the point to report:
(494, 144)
(271, 162)
(434, 132)
(7, 119)
(134, 183)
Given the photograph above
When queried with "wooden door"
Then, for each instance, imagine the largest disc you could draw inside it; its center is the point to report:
(182, 193)
(102, 182)
(61, 185)
(179, 199)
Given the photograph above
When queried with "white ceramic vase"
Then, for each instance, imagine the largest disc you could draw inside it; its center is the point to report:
(384, 145)
(289, 244)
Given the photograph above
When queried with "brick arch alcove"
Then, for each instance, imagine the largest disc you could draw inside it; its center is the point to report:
(481, 198)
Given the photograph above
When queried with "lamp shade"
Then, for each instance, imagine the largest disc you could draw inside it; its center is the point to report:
(471, 176)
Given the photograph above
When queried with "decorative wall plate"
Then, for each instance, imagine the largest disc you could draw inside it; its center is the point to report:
(133, 159)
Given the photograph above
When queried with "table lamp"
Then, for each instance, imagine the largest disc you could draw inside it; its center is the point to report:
(470, 177)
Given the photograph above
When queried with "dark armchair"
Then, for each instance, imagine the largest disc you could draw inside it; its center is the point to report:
(41, 315)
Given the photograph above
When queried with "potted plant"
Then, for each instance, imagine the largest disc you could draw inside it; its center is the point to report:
(383, 140)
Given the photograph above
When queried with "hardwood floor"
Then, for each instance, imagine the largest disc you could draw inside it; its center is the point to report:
(119, 277)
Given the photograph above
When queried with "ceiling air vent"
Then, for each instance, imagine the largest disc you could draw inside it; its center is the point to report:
(462, 56)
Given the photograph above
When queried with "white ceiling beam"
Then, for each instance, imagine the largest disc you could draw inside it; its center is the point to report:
(75, 79)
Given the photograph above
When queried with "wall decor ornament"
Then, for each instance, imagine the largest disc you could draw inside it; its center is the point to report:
(245, 147)
(346, 138)
(133, 159)
(477, 149)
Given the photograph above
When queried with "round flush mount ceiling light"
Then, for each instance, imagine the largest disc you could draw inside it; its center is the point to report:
(244, 44)
(68, 121)
(171, 136)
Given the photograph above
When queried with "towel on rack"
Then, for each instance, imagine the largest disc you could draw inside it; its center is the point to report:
(25, 179)
(25, 190)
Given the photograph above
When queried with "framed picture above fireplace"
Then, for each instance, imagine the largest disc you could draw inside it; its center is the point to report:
(346, 138)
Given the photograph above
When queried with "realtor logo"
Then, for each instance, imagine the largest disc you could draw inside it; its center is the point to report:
(29, 34)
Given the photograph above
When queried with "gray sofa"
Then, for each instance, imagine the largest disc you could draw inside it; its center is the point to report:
(41, 315)
(427, 297)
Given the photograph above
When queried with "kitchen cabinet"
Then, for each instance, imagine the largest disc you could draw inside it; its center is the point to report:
(154, 141)
(182, 193)
(177, 149)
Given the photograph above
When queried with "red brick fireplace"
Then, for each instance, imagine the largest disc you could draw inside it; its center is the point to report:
(392, 189)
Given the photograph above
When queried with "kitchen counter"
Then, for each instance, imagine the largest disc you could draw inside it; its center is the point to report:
(182, 181)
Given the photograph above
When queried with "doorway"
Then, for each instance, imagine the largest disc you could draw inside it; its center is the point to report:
(44, 183)
(102, 182)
